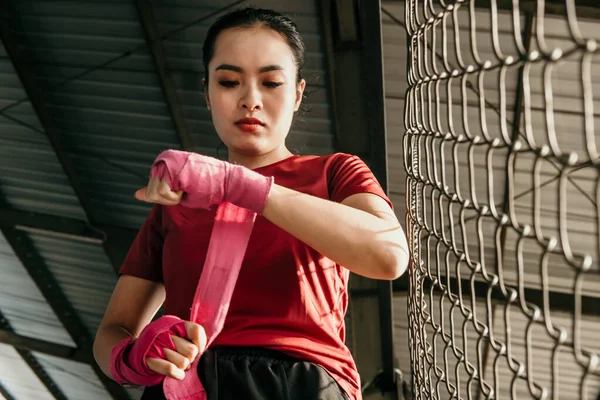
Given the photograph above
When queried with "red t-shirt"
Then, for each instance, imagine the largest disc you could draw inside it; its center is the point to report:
(288, 297)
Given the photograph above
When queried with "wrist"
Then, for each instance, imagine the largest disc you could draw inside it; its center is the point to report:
(248, 189)
(128, 357)
(118, 357)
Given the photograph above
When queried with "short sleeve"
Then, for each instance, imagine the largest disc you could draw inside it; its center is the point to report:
(144, 259)
(349, 175)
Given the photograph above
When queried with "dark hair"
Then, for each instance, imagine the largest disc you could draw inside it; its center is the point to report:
(249, 17)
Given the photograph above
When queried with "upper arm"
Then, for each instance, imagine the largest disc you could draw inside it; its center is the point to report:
(349, 176)
(371, 203)
(133, 304)
(352, 183)
(392, 243)
(377, 206)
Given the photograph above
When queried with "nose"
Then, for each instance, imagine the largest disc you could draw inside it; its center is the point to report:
(251, 99)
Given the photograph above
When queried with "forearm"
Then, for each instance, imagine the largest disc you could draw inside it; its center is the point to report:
(370, 245)
(106, 339)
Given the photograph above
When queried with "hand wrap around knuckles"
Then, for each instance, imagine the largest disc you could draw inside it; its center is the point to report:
(207, 181)
(128, 358)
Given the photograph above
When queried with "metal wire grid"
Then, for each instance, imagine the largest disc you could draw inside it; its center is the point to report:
(464, 207)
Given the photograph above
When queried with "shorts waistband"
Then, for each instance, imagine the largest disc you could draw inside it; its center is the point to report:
(252, 353)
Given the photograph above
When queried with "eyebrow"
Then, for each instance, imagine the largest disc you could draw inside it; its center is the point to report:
(234, 68)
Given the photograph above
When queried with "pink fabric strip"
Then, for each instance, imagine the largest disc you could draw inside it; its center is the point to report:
(228, 242)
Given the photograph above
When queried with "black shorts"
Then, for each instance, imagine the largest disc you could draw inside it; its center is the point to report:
(259, 374)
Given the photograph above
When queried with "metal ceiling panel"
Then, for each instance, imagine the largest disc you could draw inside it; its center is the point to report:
(18, 378)
(76, 380)
(22, 303)
(83, 272)
(110, 118)
(31, 178)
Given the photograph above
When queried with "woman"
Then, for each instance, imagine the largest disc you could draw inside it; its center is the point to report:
(322, 217)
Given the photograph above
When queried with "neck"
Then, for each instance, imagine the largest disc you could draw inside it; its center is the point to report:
(257, 161)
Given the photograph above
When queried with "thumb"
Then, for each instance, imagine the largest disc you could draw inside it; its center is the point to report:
(141, 194)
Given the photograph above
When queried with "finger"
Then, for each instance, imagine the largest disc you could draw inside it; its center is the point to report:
(147, 194)
(152, 192)
(165, 191)
(143, 195)
(159, 192)
(185, 347)
(179, 360)
(164, 367)
(196, 334)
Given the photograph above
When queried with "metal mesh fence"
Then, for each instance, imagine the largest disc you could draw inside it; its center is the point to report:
(502, 195)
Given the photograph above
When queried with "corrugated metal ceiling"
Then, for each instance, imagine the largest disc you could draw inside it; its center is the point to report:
(112, 119)
(22, 303)
(82, 271)
(116, 113)
(32, 178)
(18, 379)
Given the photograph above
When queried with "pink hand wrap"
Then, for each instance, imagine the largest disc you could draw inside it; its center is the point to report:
(207, 181)
(128, 358)
(228, 243)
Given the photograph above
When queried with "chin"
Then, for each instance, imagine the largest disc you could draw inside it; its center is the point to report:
(247, 146)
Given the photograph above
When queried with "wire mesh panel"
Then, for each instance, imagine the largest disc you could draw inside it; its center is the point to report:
(500, 149)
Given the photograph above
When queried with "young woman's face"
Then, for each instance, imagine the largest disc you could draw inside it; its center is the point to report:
(252, 90)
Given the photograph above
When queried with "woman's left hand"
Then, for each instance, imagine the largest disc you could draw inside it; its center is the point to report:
(159, 192)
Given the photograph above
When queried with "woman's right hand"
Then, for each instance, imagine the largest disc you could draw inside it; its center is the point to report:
(187, 349)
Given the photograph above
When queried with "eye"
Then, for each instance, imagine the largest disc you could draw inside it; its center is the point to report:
(272, 84)
(228, 84)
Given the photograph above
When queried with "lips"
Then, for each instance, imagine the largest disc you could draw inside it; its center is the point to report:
(249, 124)
(249, 121)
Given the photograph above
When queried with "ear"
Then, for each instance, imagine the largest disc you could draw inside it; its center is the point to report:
(299, 92)
(206, 93)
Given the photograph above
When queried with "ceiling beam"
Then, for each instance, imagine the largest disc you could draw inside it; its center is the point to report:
(33, 363)
(42, 375)
(58, 302)
(157, 52)
(8, 336)
(10, 217)
(4, 392)
(26, 74)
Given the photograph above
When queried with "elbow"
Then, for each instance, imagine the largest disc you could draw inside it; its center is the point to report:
(394, 255)
(97, 348)
(394, 262)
